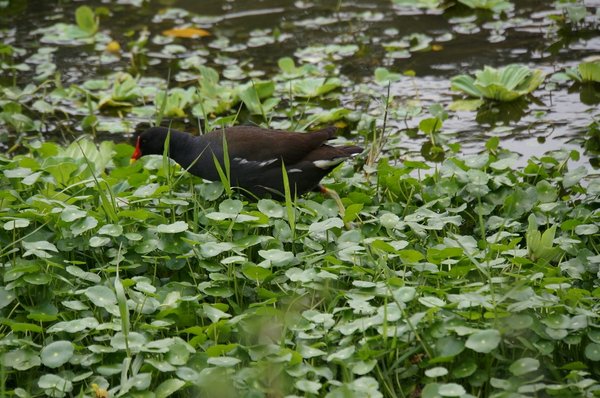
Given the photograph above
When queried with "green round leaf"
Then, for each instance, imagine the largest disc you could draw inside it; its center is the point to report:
(464, 369)
(211, 249)
(210, 190)
(146, 190)
(16, 223)
(519, 321)
(325, 225)
(176, 227)
(6, 297)
(592, 352)
(431, 390)
(231, 206)
(278, 258)
(71, 214)
(135, 341)
(223, 361)
(111, 230)
(53, 382)
(389, 220)
(432, 301)
(586, 229)
(18, 172)
(179, 353)
(146, 246)
(255, 273)
(523, 366)
(81, 274)
(546, 192)
(342, 355)
(270, 208)
(37, 278)
(594, 335)
(74, 326)
(98, 241)
(101, 296)
(187, 374)
(362, 367)
(438, 371)
(82, 225)
(449, 346)
(557, 321)
(168, 387)
(140, 381)
(57, 353)
(311, 387)
(405, 294)
(451, 390)
(21, 359)
(484, 341)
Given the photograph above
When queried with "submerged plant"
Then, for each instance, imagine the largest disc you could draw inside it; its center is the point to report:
(504, 84)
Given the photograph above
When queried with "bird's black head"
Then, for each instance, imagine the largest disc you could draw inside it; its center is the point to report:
(150, 142)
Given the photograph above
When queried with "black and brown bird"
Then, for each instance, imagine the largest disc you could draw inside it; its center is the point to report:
(255, 156)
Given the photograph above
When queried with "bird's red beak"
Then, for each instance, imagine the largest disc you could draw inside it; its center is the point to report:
(137, 153)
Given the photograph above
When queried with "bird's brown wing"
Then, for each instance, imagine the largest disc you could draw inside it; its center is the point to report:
(255, 144)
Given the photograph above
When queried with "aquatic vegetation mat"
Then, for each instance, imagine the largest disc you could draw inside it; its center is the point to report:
(472, 278)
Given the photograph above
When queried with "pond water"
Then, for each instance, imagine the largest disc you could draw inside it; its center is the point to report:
(247, 38)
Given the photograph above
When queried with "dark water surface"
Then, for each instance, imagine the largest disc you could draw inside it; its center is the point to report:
(465, 40)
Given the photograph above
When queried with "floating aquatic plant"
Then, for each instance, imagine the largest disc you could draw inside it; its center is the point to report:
(587, 71)
(431, 4)
(493, 5)
(84, 31)
(504, 84)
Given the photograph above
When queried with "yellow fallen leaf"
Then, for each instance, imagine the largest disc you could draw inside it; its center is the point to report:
(99, 392)
(188, 33)
(113, 47)
(437, 47)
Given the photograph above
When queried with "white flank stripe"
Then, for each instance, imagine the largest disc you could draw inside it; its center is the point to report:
(267, 162)
(241, 160)
(294, 171)
(255, 163)
(325, 164)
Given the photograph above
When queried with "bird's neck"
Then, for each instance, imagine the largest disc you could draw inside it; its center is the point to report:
(187, 149)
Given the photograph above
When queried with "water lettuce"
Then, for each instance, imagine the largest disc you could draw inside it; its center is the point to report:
(503, 84)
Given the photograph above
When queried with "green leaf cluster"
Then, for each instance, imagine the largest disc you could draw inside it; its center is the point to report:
(503, 84)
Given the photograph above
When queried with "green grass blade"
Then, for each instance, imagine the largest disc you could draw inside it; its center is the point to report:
(166, 163)
(163, 105)
(123, 310)
(225, 170)
(289, 203)
(108, 206)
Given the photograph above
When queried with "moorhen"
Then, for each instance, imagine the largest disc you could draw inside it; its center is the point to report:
(255, 156)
